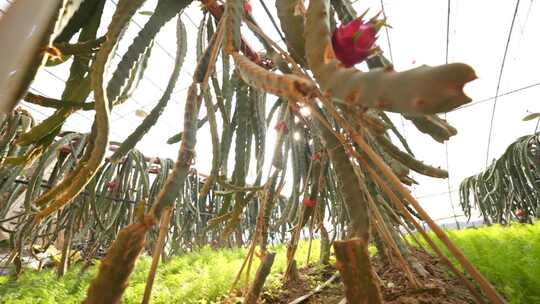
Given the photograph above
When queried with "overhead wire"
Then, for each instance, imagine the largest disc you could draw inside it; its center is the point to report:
(447, 157)
(281, 35)
(436, 194)
(387, 33)
(389, 43)
(499, 81)
(475, 103)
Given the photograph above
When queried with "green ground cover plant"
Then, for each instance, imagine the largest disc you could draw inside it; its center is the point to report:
(204, 276)
(508, 256)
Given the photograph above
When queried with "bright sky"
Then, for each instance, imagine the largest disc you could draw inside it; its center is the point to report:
(478, 35)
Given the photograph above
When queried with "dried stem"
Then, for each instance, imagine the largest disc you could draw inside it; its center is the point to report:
(260, 278)
(352, 261)
(163, 229)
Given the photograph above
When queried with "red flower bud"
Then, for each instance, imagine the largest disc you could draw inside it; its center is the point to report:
(111, 185)
(282, 126)
(352, 42)
(316, 156)
(308, 202)
(247, 7)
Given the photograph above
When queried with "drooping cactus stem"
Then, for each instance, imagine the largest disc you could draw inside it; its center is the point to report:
(234, 9)
(96, 154)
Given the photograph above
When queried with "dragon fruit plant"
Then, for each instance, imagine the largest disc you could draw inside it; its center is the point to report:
(345, 168)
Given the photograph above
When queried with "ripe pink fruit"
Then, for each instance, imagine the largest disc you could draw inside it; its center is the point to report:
(521, 213)
(247, 7)
(353, 41)
(308, 202)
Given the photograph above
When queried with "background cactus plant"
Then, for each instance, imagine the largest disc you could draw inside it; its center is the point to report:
(508, 188)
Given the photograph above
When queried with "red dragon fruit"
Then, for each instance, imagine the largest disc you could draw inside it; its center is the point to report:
(308, 202)
(352, 42)
(247, 7)
(316, 156)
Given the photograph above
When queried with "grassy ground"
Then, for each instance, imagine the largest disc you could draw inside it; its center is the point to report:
(508, 256)
(201, 277)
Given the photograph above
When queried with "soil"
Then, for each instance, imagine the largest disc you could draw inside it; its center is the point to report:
(439, 288)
